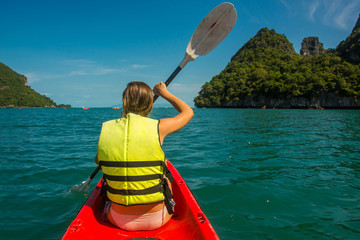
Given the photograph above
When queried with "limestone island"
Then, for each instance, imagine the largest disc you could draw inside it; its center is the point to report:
(267, 73)
(15, 92)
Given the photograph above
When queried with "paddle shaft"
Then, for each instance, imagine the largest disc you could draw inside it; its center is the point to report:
(95, 172)
(168, 81)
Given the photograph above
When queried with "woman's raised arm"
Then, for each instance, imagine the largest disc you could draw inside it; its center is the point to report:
(170, 125)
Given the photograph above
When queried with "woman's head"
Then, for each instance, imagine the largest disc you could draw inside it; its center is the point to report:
(137, 98)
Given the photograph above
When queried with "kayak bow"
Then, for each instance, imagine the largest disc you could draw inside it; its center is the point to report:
(188, 222)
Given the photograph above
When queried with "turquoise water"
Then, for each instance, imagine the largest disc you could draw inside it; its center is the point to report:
(257, 174)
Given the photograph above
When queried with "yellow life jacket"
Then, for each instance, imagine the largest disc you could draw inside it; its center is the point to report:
(132, 161)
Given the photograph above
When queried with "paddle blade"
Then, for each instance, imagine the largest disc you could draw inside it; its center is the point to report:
(83, 187)
(212, 30)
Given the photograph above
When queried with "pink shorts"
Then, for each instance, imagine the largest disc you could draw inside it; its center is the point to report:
(149, 221)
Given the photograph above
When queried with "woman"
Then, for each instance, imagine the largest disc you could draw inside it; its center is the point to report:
(132, 160)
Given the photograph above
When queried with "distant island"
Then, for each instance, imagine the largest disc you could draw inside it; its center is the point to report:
(267, 73)
(14, 92)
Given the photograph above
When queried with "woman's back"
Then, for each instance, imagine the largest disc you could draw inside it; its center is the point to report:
(133, 162)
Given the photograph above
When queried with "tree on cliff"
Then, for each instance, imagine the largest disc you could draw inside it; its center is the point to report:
(268, 66)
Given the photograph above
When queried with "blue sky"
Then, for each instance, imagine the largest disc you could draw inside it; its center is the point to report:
(84, 53)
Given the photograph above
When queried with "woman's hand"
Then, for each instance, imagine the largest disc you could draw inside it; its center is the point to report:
(160, 89)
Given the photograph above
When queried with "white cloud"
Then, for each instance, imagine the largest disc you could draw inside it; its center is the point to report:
(78, 62)
(93, 71)
(340, 13)
(330, 8)
(103, 70)
(185, 89)
(79, 67)
(313, 7)
(286, 4)
(344, 17)
(77, 73)
(337, 13)
(139, 66)
(85, 68)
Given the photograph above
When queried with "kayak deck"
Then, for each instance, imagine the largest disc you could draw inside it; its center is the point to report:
(188, 221)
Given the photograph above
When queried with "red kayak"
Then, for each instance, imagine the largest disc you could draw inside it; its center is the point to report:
(188, 222)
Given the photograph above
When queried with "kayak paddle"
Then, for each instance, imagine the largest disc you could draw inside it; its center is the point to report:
(210, 32)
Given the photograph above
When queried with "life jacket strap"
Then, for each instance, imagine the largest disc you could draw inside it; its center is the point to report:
(168, 174)
(169, 203)
(150, 190)
(132, 178)
(131, 164)
(137, 164)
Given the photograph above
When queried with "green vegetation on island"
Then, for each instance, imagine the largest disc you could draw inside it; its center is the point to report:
(14, 91)
(267, 72)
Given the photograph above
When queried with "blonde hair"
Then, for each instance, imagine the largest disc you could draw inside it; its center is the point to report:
(137, 98)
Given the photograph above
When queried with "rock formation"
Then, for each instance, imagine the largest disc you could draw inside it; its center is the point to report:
(311, 46)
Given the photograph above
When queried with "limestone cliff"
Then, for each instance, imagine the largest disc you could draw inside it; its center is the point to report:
(324, 101)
